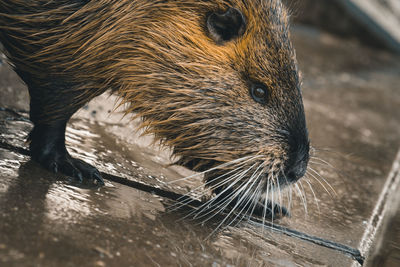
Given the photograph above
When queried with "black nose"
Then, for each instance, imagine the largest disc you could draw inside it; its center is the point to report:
(297, 171)
(298, 149)
(297, 163)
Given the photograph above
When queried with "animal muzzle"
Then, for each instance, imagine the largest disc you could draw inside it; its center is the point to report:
(296, 166)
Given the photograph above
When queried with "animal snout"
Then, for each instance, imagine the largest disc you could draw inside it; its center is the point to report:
(297, 166)
(297, 171)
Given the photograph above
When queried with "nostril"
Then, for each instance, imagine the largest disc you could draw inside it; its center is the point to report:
(291, 176)
(296, 172)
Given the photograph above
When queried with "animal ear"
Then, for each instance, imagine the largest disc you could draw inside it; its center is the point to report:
(226, 26)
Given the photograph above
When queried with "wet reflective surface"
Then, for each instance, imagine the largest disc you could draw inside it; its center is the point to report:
(351, 98)
(48, 221)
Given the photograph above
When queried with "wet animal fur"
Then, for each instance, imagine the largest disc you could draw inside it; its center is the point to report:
(191, 92)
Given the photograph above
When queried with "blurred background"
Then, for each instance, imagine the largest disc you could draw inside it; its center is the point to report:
(372, 22)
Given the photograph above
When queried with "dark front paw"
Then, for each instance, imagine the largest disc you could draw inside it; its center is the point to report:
(271, 211)
(75, 168)
(67, 165)
(47, 147)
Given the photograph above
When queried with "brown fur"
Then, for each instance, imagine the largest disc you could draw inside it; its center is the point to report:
(191, 92)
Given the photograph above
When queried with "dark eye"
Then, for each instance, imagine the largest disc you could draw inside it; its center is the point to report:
(259, 93)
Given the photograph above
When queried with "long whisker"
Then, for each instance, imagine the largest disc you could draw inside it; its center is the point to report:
(289, 185)
(305, 197)
(265, 206)
(290, 193)
(231, 198)
(301, 197)
(272, 200)
(249, 200)
(247, 158)
(253, 200)
(252, 177)
(279, 193)
(315, 197)
(228, 198)
(187, 200)
(237, 204)
(217, 208)
(257, 199)
(328, 184)
(323, 186)
(323, 161)
(319, 163)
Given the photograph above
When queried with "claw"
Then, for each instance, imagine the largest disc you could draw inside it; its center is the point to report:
(47, 146)
(272, 211)
(281, 210)
(97, 177)
(54, 167)
(79, 176)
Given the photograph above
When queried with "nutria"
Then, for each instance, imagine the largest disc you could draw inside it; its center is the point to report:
(216, 80)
